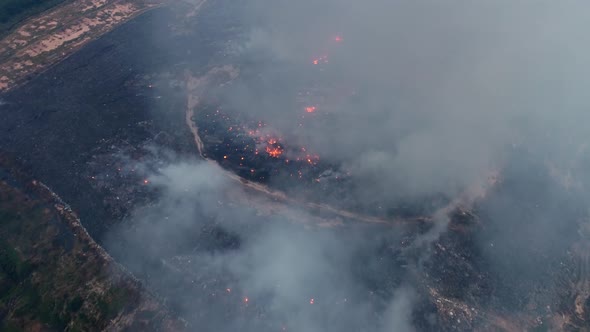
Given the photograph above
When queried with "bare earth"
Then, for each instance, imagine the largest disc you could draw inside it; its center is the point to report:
(49, 38)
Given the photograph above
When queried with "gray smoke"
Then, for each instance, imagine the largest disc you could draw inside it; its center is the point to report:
(440, 89)
(424, 97)
(303, 279)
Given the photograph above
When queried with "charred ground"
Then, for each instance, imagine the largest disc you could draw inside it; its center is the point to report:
(98, 124)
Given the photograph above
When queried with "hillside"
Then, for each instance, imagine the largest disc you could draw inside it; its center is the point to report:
(54, 277)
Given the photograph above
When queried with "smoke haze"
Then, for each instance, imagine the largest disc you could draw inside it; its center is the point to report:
(423, 98)
(440, 89)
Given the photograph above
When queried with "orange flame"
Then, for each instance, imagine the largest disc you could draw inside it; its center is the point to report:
(321, 59)
(274, 152)
(310, 109)
(312, 159)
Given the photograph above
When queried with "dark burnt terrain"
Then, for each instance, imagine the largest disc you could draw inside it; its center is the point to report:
(95, 126)
(476, 275)
(116, 96)
(254, 150)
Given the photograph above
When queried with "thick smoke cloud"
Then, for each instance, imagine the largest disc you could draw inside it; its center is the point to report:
(302, 279)
(441, 89)
(426, 97)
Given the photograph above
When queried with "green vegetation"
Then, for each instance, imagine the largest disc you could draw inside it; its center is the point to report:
(26, 300)
(118, 298)
(11, 265)
(42, 282)
(52, 275)
(14, 11)
(75, 304)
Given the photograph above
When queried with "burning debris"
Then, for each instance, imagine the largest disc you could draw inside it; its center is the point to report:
(257, 151)
(253, 149)
(274, 152)
(320, 60)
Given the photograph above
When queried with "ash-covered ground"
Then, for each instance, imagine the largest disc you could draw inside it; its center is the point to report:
(260, 151)
(350, 174)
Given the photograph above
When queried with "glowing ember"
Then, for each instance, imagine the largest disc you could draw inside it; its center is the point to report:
(264, 142)
(274, 152)
(246, 300)
(312, 159)
(322, 59)
(338, 39)
(146, 181)
(311, 301)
